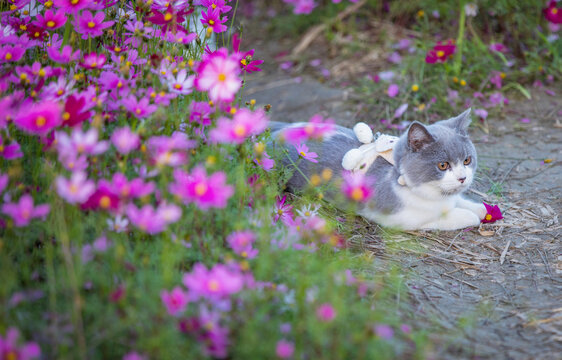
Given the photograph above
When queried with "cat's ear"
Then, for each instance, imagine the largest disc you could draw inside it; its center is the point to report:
(460, 123)
(418, 137)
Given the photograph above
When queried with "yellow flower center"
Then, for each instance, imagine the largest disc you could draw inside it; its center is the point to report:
(1, 148)
(105, 202)
(119, 85)
(66, 116)
(48, 4)
(23, 27)
(94, 64)
(36, 34)
(309, 129)
(214, 285)
(488, 217)
(13, 7)
(415, 87)
(117, 49)
(163, 72)
(440, 53)
(214, 6)
(23, 76)
(42, 73)
(50, 23)
(211, 22)
(357, 194)
(91, 24)
(11, 356)
(8, 56)
(201, 189)
(138, 111)
(222, 77)
(168, 17)
(25, 214)
(74, 2)
(243, 62)
(40, 121)
(554, 11)
(153, 94)
(73, 188)
(177, 86)
(244, 254)
(303, 154)
(240, 130)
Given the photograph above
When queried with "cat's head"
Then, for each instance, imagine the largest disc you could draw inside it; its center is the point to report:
(437, 160)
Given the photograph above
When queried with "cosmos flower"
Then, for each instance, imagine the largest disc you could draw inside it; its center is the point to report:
(384, 331)
(317, 128)
(283, 211)
(212, 20)
(93, 61)
(153, 221)
(244, 124)
(125, 140)
(181, 83)
(24, 211)
(51, 20)
(301, 6)
(72, 6)
(169, 150)
(493, 214)
(9, 53)
(76, 190)
(392, 90)
(80, 142)
(90, 25)
(265, 162)
(241, 243)
(553, 13)
(357, 187)
(303, 152)
(284, 349)
(440, 52)
(40, 118)
(205, 191)
(10, 350)
(75, 112)
(103, 198)
(219, 282)
(140, 108)
(326, 312)
(218, 75)
(10, 151)
(175, 301)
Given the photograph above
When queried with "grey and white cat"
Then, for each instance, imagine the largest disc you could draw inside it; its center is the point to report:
(437, 162)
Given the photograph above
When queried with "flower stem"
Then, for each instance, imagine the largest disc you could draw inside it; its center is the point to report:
(460, 38)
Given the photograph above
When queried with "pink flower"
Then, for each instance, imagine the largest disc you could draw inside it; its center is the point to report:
(182, 83)
(212, 20)
(219, 282)
(153, 221)
(135, 188)
(241, 243)
(357, 187)
(301, 6)
(244, 124)
(133, 355)
(393, 90)
(75, 111)
(326, 312)
(302, 150)
(73, 6)
(216, 4)
(51, 20)
(493, 214)
(497, 47)
(283, 211)
(440, 52)
(76, 190)
(205, 191)
(24, 211)
(175, 300)
(284, 349)
(103, 198)
(10, 151)
(90, 25)
(80, 142)
(218, 75)
(93, 61)
(316, 128)
(9, 348)
(140, 108)
(125, 140)
(40, 118)
(552, 13)
(9, 53)
(167, 150)
(384, 331)
(4, 179)
(265, 162)
(481, 113)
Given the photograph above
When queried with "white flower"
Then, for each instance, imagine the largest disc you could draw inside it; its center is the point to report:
(119, 224)
(471, 9)
(308, 211)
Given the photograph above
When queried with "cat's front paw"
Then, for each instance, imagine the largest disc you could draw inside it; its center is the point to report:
(480, 210)
(455, 219)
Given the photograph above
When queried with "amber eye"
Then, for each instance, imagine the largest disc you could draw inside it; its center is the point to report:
(443, 166)
(468, 160)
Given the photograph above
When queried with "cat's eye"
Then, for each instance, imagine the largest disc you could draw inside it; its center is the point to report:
(468, 160)
(443, 166)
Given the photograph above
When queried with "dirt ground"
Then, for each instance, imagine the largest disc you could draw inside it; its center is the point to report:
(498, 289)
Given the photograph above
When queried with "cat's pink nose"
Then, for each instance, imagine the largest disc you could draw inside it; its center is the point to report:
(462, 179)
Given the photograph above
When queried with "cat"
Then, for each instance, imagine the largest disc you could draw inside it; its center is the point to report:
(437, 163)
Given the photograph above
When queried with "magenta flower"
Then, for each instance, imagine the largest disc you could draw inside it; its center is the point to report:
(393, 90)
(212, 20)
(182, 83)
(90, 25)
(216, 4)
(553, 13)
(76, 190)
(125, 140)
(498, 47)
(51, 20)
(153, 221)
(4, 180)
(384, 331)
(246, 59)
(326, 312)
(93, 61)
(316, 128)
(301, 6)
(440, 52)
(241, 243)
(10, 151)
(10, 350)
(218, 75)
(265, 162)
(205, 191)
(284, 349)
(9, 53)
(357, 187)
(135, 188)
(111, 81)
(283, 211)
(75, 111)
(80, 142)
(103, 198)
(303, 152)
(493, 214)
(24, 211)
(219, 282)
(244, 124)
(140, 108)
(168, 150)
(175, 300)
(200, 113)
(40, 118)
(73, 6)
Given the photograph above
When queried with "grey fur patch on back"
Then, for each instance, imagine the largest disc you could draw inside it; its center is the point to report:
(386, 177)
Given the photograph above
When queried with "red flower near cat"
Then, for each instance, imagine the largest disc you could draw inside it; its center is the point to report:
(493, 213)
(440, 52)
(552, 13)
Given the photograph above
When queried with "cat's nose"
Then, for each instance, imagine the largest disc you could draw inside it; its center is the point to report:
(462, 179)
